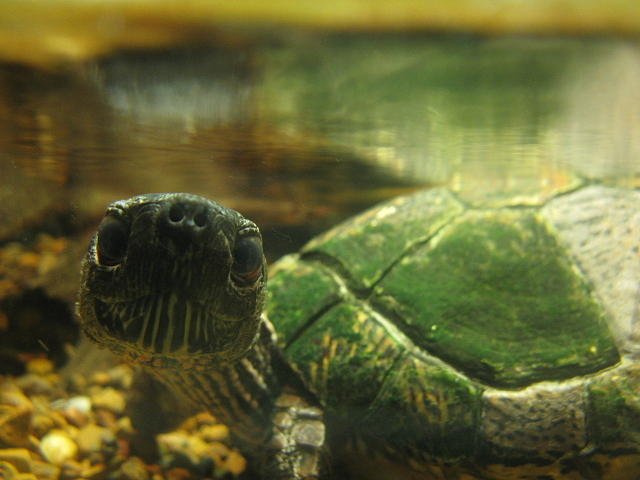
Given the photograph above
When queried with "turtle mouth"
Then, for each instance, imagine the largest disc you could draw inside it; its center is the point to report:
(166, 324)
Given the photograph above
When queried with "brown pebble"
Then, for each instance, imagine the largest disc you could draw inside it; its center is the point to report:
(11, 394)
(18, 457)
(121, 376)
(93, 438)
(41, 424)
(8, 471)
(15, 426)
(47, 243)
(58, 418)
(34, 384)
(40, 366)
(96, 459)
(47, 263)
(124, 427)
(77, 383)
(109, 399)
(101, 378)
(72, 469)
(105, 418)
(133, 469)
(8, 288)
(123, 448)
(178, 474)
(45, 470)
(94, 471)
(29, 260)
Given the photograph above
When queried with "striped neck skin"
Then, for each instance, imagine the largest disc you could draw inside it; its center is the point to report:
(239, 393)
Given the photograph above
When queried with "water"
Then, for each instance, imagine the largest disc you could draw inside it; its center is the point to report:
(297, 132)
(303, 131)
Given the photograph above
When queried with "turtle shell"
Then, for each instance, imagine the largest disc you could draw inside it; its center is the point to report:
(494, 342)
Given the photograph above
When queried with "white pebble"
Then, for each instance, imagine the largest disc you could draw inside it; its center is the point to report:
(58, 447)
(81, 403)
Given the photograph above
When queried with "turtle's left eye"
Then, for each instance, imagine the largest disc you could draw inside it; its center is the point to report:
(247, 258)
(113, 236)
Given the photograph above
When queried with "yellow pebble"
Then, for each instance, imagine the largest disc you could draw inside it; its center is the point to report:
(40, 366)
(29, 260)
(109, 399)
(214, 432)
(57, 447)
(235, 463)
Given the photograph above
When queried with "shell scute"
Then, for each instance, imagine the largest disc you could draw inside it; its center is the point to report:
(428, 411)
(298, 292)
(368, 244)
(496, 296)
(346, 355)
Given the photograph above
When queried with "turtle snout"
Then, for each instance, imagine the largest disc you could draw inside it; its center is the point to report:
(185, 221)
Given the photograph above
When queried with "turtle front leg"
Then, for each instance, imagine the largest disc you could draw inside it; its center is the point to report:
(297, 440)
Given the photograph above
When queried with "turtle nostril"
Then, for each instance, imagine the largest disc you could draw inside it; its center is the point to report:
(176, 213)
(200, 219)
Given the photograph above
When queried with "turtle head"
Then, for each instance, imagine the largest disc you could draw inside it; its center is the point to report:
(173, 278)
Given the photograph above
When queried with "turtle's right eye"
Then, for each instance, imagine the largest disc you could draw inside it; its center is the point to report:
(113, 235)
(247, 259)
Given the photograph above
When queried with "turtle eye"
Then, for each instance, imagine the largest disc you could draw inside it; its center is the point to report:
(247, 258)
(113, 234)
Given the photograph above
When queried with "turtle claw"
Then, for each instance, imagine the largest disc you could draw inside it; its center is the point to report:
(297, 440)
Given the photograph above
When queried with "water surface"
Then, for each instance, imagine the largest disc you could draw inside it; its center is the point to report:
(305, 130)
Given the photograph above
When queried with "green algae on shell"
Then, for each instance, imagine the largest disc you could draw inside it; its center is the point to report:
(484, 338)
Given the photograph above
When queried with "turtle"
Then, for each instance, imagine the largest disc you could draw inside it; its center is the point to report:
(426, 338)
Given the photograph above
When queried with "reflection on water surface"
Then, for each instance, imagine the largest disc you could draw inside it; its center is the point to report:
(314, 129)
